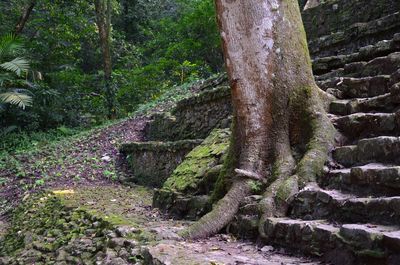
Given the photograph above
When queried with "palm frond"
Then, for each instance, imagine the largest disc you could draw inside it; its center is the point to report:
(16, 98)
(8, 130)
(5, 77)
(10, 45)
(18, 66)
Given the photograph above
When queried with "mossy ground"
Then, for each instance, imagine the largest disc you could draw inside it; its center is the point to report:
(52, 222)
(116, 204)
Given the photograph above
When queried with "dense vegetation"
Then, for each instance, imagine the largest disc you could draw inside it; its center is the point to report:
(51, 75)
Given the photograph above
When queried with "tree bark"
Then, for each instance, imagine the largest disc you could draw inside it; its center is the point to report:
(24, 17)
(278, 115)
(103, 21)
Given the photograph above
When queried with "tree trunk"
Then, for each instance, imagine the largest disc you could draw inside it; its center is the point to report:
(103, 21)
(278, 115)
(24, 17)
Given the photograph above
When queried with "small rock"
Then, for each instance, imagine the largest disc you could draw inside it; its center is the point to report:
(110, 254)
(130, 243)
(117, 261)
(106, 158)
(123, 253)
(116, 242)
(267, 249)
(61, 255)
(111, 234)
(135, 252)
(124, 231)
(165, 234)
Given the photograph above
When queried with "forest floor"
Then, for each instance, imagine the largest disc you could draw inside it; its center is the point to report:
(90, 164)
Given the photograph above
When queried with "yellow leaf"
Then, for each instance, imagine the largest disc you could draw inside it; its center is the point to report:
(63, 192)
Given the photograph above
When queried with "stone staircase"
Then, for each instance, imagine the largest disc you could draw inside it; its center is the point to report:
(353, 215)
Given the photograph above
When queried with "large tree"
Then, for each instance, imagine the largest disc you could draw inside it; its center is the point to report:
(281, 133)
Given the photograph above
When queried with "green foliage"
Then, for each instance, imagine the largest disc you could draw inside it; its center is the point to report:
(16, 140)
(157, 44)
(191, 36)
(179, 48)
(11, 71)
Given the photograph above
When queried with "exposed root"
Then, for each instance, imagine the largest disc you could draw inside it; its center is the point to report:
(248, 174)
(326, 98)
(277, 199)
(280, 193)
(222, 214)
(323, 135)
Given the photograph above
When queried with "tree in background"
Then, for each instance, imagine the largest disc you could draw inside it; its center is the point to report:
(281, 133)
(103, 20)
(155, 45)
(24, 17)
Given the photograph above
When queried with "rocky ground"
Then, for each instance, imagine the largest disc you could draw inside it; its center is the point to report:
(83, 173)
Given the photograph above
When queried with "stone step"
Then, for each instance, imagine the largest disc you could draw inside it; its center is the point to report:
(350, 87)
(383, 149)
(347, 244)
(355, 36)
(371, 179)
(315, 203)
(323, 65)
(385, 65)
(383, 103)
(365, 125)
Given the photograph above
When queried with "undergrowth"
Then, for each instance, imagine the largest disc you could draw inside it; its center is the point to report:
(16, 143)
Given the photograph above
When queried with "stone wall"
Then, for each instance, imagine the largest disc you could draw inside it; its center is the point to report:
(185, 193)
(193, 118)
(152, 163)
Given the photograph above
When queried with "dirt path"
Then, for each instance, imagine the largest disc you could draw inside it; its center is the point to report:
(87, 160)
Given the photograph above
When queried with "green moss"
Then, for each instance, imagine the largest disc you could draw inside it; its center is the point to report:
(372, 253)
(42, 215)
(223, 182)
(187, 176)
(109, 203)
(47, 221)
(287, 189)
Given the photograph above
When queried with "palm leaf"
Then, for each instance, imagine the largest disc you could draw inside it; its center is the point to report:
(16, 98)
(9, 45)
(8, 130)
(18, 66)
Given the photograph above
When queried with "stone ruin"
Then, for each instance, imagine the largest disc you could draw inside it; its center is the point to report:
(353, 215)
